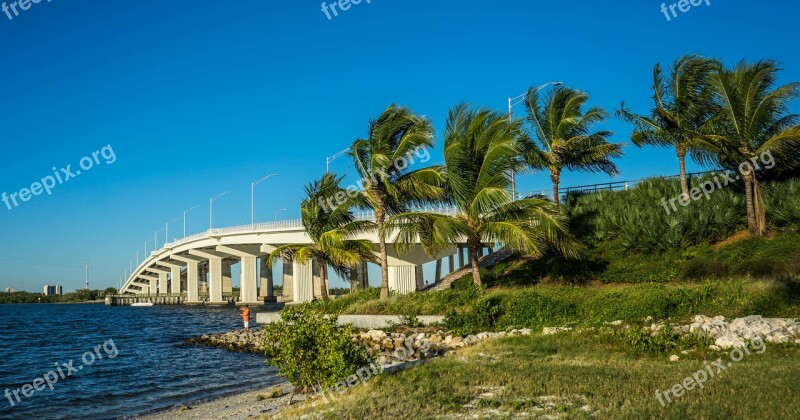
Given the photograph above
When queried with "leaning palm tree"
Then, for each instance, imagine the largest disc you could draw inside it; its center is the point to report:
(390, 185)
(565, 138)
(331, 230)
(480, 151)
(683, 109)
(754, 122)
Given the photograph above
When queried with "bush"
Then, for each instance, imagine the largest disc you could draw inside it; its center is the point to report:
(642, 341)
(479, 317)
(310, 350)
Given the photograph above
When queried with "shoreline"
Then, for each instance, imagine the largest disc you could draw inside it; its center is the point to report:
(239, 406)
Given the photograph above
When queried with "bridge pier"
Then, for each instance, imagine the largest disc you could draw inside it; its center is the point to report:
(288, 279)
(403, 278)
(302, 281)
(227, 278)
(267, 282)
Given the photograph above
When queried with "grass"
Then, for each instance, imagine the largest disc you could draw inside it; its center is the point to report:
(574, 375)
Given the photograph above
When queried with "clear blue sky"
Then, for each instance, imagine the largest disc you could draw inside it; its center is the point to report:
(200, 97)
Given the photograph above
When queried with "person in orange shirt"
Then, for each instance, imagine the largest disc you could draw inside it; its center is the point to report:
(246, 317)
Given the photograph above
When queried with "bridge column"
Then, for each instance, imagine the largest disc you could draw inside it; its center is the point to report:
(249, 289)
(175, 279)
(438, 275)
(451, 261)
(403, 279)
(267, 282)
(359, 277)
(227, 279)
(191, 282)
(153, 289)
(317, 282)
(203, 282)
(162, 283)
(288, 278)
(215, 281)
(302, 281)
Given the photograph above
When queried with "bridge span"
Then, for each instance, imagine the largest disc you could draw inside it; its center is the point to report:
(197, 269)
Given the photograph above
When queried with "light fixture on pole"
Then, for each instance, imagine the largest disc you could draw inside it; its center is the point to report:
(211, 208)
(330, 159)
(184, 219)
(512, 102)
(253, 197)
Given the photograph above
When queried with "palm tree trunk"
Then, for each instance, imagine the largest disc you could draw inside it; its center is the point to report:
(556, 178)
(684, 181)
(758, 209)
(751, 214)
(323, 280)
(380, 215)
(476, 271)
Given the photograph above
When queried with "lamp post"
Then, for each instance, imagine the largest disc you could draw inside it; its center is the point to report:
(253, 197)
(330, 159)
(211, 209)
(184, 219)
(512, 102)
(166, 228)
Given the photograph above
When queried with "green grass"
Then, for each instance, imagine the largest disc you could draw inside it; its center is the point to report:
(577, 375)
(469, 310)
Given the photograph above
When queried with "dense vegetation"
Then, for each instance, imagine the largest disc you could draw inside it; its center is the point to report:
(74, 297)
(310, 350)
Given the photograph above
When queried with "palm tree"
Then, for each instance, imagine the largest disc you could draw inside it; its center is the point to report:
(481, 149)
(390, 186)
(754, 122)
(564, 133)
(331, 230)
(683, 108)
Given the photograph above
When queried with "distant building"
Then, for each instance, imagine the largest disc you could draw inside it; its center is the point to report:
(9, 290)
(49, 290)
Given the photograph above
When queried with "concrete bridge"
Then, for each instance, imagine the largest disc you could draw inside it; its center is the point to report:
(197, 269)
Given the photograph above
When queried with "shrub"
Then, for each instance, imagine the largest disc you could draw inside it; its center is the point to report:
(642, 341)
(310, 350)
(479, 317)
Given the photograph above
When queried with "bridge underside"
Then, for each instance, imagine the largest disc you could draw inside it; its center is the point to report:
(198, 271)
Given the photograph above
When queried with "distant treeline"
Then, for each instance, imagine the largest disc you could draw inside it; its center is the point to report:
(76, 296)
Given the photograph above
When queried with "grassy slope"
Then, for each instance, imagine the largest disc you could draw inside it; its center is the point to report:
(572, 371)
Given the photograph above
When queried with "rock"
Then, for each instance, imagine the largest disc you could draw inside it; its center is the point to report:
(729, 341)
(554, 330)
(714, 347)
(525, 331)
(674, 358)
(617, 323)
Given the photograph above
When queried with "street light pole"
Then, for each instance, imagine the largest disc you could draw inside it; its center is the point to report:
(184, 219)
(211, 209)
(512, 102)
(253, 197)
(330, 159)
